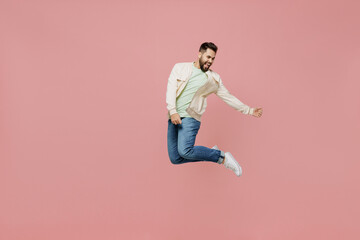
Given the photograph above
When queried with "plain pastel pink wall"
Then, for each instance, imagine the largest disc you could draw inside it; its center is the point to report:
(83, 120)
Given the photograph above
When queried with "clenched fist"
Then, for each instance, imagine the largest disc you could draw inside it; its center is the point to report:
(257, 112)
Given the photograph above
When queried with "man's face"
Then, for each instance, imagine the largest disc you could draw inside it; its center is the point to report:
(206, 59)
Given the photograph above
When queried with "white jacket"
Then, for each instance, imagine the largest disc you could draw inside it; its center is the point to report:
(180, 75)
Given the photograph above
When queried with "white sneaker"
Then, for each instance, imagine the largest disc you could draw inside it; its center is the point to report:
(232, 164)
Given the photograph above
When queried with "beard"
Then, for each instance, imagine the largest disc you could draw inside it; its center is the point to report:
(203, 65)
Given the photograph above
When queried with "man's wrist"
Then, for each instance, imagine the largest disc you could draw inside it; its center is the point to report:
(172, 111)
(251, 111)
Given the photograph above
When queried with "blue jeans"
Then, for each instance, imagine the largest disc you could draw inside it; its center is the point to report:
(181, 140)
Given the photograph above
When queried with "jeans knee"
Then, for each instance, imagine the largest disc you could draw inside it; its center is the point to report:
(175, 161)
(184, 152)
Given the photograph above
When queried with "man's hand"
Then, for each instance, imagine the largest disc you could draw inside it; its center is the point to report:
(257, 112)
(175, 119)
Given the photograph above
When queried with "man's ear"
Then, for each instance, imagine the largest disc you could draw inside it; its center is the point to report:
(199, 55)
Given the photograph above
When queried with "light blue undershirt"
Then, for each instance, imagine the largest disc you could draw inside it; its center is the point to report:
(198, 78)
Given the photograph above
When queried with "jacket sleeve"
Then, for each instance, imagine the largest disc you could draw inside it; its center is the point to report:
(231, 100)
(171, 91)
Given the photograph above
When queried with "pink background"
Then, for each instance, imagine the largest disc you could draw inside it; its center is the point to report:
(83, 120)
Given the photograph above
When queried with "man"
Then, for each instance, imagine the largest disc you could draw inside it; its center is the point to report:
(188, 86)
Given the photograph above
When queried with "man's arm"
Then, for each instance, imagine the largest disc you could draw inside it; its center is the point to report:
(171, 96)
(171, 92)
(232, 101)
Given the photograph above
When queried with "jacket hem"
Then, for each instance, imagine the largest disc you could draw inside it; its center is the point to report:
(193, 114)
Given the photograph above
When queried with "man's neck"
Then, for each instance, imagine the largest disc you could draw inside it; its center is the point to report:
(196, 64)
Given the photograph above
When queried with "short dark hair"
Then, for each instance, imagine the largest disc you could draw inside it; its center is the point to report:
(207, 45)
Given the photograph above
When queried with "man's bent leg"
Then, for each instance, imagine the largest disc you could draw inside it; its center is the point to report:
(187, 132)
(172, 144)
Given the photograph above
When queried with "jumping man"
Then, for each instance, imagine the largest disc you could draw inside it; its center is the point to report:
(188, 86)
